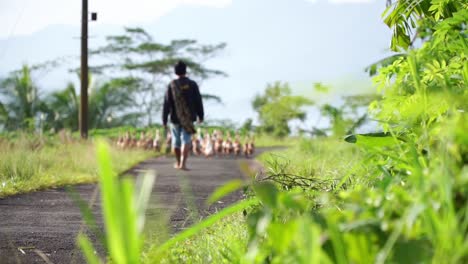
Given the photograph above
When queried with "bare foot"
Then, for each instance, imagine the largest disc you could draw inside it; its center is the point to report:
(176, 166)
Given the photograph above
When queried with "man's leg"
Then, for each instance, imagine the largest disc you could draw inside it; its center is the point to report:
(185, 154)
(175, 131)
(177, 156)
(186, 146)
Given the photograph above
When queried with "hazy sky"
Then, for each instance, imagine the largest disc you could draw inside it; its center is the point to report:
(29, 16)
(299, 41)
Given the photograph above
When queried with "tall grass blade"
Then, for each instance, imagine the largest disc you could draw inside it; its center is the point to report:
(87, 249)
(209, 221)
(144, 188)
(111, 204)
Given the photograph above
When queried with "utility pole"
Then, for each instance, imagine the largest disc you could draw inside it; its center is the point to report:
(84, 71)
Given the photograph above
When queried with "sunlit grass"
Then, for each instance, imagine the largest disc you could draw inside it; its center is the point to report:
(28, 164)
(328, 158)
(224, 242)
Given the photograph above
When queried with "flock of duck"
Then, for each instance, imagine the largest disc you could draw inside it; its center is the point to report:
(209, 145)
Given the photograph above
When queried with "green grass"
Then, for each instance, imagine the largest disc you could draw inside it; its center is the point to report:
(224, 242)
(327, 158)
(30, 163)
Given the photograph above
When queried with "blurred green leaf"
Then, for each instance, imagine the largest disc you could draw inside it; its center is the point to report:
(225, 190)
(267, 193)
(373, 140)
(412, 251)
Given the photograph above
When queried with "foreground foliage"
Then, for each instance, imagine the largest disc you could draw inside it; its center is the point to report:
(409, 204)
(123, 210)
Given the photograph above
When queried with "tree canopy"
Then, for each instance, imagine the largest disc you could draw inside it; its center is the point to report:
(277, 107)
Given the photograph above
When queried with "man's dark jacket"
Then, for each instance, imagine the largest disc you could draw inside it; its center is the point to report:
(192, 96)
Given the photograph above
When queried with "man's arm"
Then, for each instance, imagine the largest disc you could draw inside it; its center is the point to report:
(166, 106)
(199, 103)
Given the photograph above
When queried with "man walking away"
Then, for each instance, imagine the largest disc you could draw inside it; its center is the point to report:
(183, 103)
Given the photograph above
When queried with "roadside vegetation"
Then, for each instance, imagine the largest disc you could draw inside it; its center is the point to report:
(33, 163)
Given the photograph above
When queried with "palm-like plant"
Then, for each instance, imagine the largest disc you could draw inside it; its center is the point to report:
(19, 100)
(110, 104)
(63, 109)
(113, 103)
(3, 115)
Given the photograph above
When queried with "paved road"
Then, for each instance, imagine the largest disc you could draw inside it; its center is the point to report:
(47, 222)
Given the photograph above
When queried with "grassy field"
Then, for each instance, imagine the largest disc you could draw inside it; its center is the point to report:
(31, 163)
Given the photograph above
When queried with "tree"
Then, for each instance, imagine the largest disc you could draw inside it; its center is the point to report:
(247, 126)
(345, 119)
(20, 103)
(277, 107)
(110, 104)
(136, 54)
(63, 109)
(336, 116)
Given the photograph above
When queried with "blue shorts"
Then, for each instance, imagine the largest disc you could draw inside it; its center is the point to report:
(180, 136)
